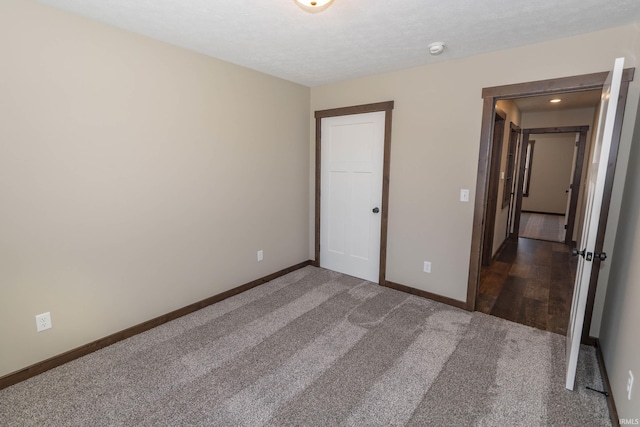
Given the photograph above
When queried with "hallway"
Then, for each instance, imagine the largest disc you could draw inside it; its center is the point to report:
(531, 283)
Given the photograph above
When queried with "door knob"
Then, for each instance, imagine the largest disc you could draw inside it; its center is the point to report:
(375, 210)
(576, 252)
(588, 255)
(601, 255)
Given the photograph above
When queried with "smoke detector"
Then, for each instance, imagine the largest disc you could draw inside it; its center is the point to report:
(436, 48)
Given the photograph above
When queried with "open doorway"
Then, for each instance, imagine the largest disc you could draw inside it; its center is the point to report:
(519, 265)
(551, 196)
(529, 280)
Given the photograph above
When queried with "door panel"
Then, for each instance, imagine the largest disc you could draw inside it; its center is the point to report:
(351, 181)
(362, 206)
(337, 212)
(595, 188)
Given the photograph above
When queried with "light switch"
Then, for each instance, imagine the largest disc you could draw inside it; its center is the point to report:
(464, 195)
(427, 267)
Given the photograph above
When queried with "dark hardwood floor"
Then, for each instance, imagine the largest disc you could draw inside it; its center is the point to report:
(530, 282)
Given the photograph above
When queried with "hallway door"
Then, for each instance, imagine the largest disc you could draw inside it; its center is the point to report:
(595, 192)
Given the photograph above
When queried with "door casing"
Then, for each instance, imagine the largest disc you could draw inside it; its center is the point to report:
(387, 107)
(543, 87)
(497, 140)
(516, 140)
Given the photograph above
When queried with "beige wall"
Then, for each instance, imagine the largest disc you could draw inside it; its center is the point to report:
(435, 143)
(550, 173)
(512, 114)
(621, 317)
(135, 178)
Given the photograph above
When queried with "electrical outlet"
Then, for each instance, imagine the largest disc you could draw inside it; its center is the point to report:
(260, 255)
(629, 385)
(427, 267)
(43, 321)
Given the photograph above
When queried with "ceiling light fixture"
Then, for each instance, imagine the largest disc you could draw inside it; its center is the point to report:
(555, 100)
(313, 6)
(436, 48)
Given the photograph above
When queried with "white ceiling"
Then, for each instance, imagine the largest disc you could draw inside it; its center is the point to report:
(353, 38)
(569, 101)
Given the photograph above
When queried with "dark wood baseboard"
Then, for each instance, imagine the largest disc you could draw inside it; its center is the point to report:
(45, 365)
(425, 294)
(500, 249)
(545, 213)
(613, 412)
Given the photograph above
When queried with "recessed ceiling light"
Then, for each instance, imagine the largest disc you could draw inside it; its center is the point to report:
(313, 6)
(555, 100)
(436, 48)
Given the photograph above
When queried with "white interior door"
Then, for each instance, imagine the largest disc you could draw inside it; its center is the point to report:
(595, 191)
(352, 155)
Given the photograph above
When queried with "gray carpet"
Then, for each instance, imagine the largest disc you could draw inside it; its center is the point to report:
(317, 348)
(542, 226)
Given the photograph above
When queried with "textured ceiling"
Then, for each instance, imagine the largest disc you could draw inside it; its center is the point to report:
(353, 38)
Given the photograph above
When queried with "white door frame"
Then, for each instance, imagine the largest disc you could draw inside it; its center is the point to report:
(387, 107)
